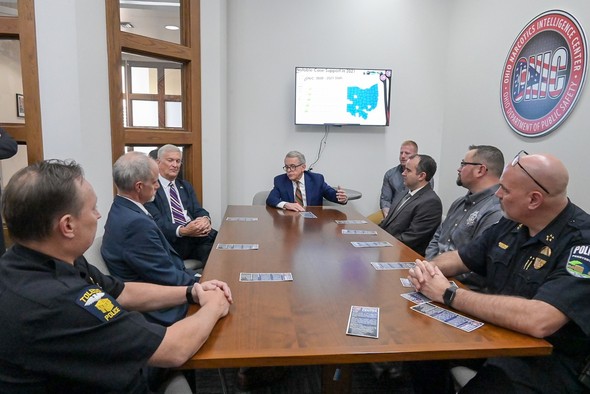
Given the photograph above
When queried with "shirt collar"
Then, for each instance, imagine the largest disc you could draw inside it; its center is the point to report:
(472, 199)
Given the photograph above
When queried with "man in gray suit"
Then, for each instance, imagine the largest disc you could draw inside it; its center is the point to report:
(415, 216)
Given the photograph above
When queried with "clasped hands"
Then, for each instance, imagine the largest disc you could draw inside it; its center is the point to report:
(214, 291)
(428, 279)
(199, 227)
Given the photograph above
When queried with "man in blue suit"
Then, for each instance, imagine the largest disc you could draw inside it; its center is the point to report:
(177, 211)
(133, 247)
(299, 188)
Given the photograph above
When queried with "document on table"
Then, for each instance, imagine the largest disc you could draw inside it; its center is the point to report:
(374, 244)
(448, 317)
(237, 246)
(358, 232)
(308, 215)
(380, 266)
(363, 321)
(416, 297)
(351, 221)
(266, 276)
(240, 219)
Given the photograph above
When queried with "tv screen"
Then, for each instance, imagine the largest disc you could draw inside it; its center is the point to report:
(342, 96)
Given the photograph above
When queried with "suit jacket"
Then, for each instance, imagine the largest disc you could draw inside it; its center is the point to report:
(135, 250)
(160, 208)
(187, 247)
(316, 189)
(416, 221)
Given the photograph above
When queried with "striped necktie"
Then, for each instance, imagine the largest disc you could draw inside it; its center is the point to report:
(177, 212)
(298, 195)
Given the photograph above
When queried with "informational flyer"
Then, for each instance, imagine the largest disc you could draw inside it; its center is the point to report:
(363, 321)
(266, 276)
(237, 246)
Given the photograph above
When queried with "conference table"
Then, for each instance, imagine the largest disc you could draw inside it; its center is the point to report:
(304, 321)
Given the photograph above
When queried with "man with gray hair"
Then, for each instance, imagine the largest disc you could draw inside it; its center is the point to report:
(133, 247)
(298, 188)
(177, 210)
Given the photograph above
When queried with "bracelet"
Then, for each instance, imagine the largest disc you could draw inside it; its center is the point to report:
(189, 295)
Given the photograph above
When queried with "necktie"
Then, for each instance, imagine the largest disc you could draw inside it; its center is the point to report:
(177, 213)
(298, 195)
(403, 201)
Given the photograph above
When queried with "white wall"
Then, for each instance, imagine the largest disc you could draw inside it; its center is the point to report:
(73, 83)
(267, 39)
(481, 35)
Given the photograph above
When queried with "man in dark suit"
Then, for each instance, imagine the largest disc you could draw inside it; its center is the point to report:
(299, 188)
(133, 247)
(177, 211)
(415, 216)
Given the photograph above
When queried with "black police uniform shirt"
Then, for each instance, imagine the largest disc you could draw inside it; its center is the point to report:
(63, 331)
(554, 267)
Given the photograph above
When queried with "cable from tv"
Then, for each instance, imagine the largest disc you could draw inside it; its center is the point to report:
(322, 145)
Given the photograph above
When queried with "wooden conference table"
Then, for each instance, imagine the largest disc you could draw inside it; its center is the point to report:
(303, 322)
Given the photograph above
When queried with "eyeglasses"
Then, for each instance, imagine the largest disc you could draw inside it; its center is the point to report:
(516, 160)
(292, 167)
(468, 163)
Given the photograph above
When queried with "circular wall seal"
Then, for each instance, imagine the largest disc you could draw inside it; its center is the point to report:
(543, 74)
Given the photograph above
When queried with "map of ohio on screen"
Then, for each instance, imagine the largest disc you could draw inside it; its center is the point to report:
(342, 96)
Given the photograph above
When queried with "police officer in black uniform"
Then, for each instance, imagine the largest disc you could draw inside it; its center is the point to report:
(67, 328)
(536, 262)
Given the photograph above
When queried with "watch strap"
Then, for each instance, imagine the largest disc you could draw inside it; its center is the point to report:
(189, 295)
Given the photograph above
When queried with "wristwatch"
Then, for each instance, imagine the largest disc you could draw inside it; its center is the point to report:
(189, 295)
(449, 295)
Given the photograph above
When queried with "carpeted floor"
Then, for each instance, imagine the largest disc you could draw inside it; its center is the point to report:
(302, 380)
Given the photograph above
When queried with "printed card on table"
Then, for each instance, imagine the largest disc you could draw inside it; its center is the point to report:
(266, 276)
(448, 317)
(416, 297)
(351, 221)
(363, 321)
(406, 282)
(380, 266)
(308, 215)
(376, 244)
(240, 219)
(237, 246)
(358, 232)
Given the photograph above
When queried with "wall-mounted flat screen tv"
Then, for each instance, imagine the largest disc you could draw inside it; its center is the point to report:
(342, 96)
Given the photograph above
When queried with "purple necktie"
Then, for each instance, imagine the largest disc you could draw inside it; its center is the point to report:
(177, 213)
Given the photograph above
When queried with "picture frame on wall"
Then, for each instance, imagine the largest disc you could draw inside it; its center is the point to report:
(20, 105)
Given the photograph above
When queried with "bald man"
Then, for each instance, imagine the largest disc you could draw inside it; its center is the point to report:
(536, 261)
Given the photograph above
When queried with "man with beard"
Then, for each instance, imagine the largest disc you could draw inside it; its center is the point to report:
(468, 216)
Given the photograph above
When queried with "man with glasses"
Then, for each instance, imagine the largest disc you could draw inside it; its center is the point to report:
(536, 261)
(469, 215)
(298, 188)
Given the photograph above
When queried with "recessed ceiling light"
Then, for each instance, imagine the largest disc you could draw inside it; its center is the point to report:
(127, 25)
(172, 27)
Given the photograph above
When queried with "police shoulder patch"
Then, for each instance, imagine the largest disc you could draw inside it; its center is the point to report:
(578, 263)
(100, 304)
